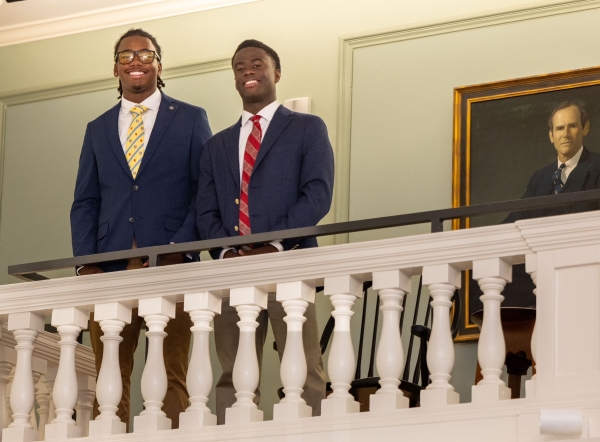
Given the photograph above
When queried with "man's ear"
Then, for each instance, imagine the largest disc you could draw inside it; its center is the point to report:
(551, 137)
(277, 75)
(115, 73)
(586, 128)
(159, 68)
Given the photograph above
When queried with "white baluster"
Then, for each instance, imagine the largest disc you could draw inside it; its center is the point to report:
(392, 287)
(294, 297)
(492, 274)
(8, 389)
(248, 301)
(8, 360)
(69, 323)
(112, 317)
(156, 312)
(42, 397)
(530, 385)
(25, 328)
(50, 378)
(442, 280)
(85, 401)
(38, 368)
(343, 292)
(202, 308)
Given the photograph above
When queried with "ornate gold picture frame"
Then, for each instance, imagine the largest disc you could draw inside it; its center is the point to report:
(501, 139)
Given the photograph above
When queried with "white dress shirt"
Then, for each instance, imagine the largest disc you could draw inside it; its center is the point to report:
(266, 114)
(148, 117)
(570, 163)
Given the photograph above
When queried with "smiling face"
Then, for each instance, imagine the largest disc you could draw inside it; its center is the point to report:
(255, 78)
(138, 80)
(567, 132)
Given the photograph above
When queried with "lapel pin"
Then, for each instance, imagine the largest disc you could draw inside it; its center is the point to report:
(171, 107)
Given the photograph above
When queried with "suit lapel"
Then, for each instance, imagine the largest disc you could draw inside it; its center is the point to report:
(111, 122)
(231, 142)
(577, 176)
(281, 119)
(166, 112)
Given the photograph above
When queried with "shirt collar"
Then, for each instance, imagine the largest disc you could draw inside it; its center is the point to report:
(574, 160)
(152, 102)
(266, 112)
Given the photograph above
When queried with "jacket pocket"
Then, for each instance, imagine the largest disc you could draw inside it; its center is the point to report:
(102, 231)
(173, 224)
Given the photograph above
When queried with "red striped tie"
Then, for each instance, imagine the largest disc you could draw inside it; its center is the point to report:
(250, 154)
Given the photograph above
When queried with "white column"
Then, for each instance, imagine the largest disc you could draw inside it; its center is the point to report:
(8, 359)
(202, 308)
(25, 328)
(42, 397)
(85, 401)
(392, 286)
(38, 368)
(441, 280)
(531, 268)
(156, 312)
(248, 301)
(492, 275)
(294, 296)
(343, 292)
(50, 378)
(112, 317)
(69, 322)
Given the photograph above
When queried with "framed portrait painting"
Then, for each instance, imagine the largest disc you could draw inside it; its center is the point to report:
(501, 137)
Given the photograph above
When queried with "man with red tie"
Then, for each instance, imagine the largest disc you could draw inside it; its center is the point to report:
(272, 170)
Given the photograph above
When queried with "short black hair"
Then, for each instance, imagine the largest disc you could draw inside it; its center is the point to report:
(139, 33)
(583, 115)
(259, 44)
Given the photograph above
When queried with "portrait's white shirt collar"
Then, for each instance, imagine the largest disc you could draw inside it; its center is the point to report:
(266, 112)
(152, 102)
(572, 162)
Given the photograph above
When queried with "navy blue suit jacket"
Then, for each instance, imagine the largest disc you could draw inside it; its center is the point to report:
(585, 176)
(291, 184)
(158, 207)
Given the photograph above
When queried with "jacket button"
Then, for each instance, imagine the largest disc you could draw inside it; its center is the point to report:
(237, 201)
(131, 219)
(235, 228)
(135, 187)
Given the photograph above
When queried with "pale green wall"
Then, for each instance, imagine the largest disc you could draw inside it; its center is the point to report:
(307, 35)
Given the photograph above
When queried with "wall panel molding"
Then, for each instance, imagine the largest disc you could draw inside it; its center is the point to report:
(352, 42)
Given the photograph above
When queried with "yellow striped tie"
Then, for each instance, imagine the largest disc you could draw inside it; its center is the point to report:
(135, 139)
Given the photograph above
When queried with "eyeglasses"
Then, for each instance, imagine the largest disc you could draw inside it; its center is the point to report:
(145, 56)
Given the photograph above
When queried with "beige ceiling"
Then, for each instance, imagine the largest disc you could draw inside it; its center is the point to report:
(31, 20)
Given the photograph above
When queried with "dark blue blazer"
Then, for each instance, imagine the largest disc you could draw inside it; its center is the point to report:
(585, 176)
(158, 207)
(291, 184)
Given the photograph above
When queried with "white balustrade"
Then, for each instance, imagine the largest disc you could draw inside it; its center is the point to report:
(156, 312)
(50, 378)
(112, 317)
(530, 385)
(343, 292)
(248, 301)
(8, 360)
(202, 308)
(294, 296)
(25, 328)
(11, 376)
(38, 367)
(492, 275)
(392, 287)
(442, 280)
(42, 398)
(85, 401)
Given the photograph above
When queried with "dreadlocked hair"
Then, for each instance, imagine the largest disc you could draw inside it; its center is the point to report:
(139, 33)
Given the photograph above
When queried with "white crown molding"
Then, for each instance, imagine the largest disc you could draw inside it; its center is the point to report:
(106, 18)
(349, 43)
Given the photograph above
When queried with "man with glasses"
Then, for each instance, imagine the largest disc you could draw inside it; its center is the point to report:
(136, 187)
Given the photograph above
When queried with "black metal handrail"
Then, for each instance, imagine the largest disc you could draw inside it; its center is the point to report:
(29, 271)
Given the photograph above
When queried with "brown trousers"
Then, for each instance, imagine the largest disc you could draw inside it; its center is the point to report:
(227, 335)
(176, 349)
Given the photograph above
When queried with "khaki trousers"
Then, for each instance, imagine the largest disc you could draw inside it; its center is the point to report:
(227, 335)
(176, 351)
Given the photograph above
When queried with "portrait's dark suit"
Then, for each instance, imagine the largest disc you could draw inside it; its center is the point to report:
(111, 209)
(291, 186)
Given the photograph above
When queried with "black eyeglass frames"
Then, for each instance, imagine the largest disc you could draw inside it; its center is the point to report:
(145, 56)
